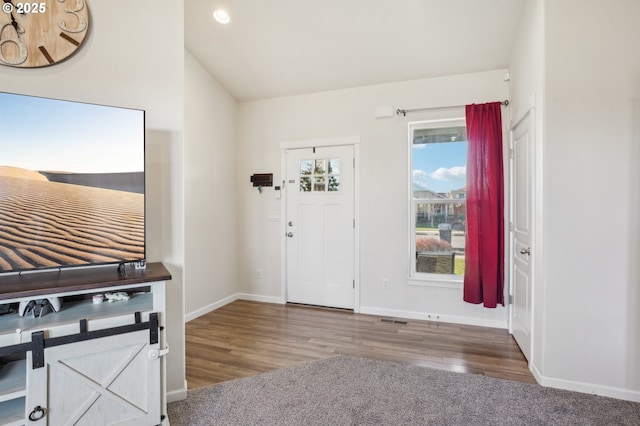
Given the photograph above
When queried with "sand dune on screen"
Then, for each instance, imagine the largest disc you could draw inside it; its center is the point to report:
(18, 172)
(48, 224)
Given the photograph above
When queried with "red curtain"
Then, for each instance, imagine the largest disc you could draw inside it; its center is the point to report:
(484, 251)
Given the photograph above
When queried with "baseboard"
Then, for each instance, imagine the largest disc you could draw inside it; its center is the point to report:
(582, 387)
(593, 389)
(260, 298)
(454, 319)
(176, 395)
(238, 296)
(209, 308)
(536, 373)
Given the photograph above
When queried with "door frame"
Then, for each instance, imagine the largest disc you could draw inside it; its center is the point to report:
(353, 141)
(535, 212)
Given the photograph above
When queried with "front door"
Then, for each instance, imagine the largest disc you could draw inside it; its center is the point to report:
(320, 226)
(521, 289)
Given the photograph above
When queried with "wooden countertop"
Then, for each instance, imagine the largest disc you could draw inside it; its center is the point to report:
(30, 284)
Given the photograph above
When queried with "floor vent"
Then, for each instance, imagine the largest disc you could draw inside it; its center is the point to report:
(392, 321)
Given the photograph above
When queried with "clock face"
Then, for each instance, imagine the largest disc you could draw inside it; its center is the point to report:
(41, 33)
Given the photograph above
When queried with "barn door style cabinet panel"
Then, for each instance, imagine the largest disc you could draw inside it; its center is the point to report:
(91, 362)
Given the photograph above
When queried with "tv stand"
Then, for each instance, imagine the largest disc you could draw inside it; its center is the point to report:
(122, 269)
(90, 361)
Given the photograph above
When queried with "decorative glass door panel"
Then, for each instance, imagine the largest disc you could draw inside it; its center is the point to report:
(320, 175)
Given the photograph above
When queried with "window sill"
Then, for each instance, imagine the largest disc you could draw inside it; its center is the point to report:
(435, 280)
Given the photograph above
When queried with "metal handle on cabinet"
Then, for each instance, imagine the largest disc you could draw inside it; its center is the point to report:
(37, 413)
(290, 234)
(526, 251)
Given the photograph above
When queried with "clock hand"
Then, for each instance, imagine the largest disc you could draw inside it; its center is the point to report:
(14, 24)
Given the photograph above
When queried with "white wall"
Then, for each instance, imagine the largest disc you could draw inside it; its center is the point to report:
(526, 64)
(384, 243)
(591, 198)
(210, 191)
(139, 68)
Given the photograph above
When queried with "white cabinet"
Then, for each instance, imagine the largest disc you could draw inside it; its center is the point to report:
(88, 363)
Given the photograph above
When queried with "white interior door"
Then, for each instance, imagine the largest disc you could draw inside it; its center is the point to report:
(110, 380)
(522, 214)
(320, 226)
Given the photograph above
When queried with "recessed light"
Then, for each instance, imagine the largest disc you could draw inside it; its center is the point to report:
(221, 16)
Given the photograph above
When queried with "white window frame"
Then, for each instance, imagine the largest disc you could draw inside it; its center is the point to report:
(425, 278)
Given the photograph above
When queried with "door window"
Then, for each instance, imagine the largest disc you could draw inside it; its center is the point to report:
(320, 175)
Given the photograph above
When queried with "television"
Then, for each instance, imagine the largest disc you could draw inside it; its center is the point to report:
(72, 184)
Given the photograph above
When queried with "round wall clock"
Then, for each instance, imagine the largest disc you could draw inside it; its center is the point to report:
(39, 34)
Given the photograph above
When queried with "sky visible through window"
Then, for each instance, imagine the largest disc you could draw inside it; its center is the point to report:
(440, 167)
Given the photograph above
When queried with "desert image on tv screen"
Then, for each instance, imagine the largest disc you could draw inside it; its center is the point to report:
(71, 184)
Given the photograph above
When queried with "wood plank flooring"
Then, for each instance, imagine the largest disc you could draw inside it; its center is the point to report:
(245, 338)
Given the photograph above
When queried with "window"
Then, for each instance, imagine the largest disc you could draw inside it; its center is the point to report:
(321, 175)
(438, 151)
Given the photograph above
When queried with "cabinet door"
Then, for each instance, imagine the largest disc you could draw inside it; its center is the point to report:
(110, 380)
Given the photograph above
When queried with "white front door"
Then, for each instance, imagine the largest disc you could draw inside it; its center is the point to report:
(522, 214)
(320, 226)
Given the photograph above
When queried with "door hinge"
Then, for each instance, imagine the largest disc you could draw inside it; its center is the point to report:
(354, 283)
(354, 224)
(511, 153)
(354, 163)
(510, 226)
(511, 299)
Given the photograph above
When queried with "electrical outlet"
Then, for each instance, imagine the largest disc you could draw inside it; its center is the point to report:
(385, 282)
(259, 274)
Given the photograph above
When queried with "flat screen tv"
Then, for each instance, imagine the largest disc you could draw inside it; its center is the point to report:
(72, 184)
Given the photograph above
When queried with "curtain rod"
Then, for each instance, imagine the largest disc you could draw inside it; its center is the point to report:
(405, 111)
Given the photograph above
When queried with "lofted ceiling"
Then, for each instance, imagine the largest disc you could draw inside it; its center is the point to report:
(274, 48)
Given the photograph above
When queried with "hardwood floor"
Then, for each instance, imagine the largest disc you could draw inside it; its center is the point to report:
(245, 338)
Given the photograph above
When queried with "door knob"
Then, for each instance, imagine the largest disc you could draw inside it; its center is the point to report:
(289, 234)
(290, 223)
(526, 251)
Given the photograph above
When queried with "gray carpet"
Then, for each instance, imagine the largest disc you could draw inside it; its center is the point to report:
(347, 390)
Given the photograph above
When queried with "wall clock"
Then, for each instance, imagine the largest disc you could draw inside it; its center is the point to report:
(38, 34)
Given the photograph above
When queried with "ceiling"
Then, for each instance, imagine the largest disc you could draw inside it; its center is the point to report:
(274, 48)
